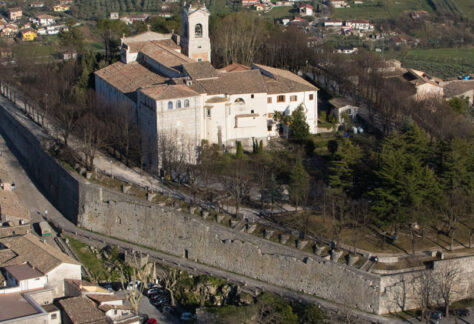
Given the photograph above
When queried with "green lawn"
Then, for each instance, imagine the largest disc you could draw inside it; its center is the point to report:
(34, 49)
(440, 62)
(382, 9)
(88, 259)
(280, 12)
(466, 7)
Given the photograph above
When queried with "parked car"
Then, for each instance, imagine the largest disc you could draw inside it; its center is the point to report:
(187, 317)
(151, 321)
(436, 317)
(462, 312)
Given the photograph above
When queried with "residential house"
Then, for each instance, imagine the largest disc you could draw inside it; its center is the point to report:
(249, 3)
(37, 4)
(398, 41)
(32, 275)
(178, 95)
(333, 23)
(66, 2)
(96, 309)
(43, 20)
(460, 88)
(9, 30)
(359, 24)
(343, 106)
(306, 9)
(339, 4)
(15, 13)
(259, 7)
(61, 7)
(114, 15)
(346, 49)
(358, 2)
(28, 34)
(130, 19)
(68, 55)
(418, 14)
(415, 84)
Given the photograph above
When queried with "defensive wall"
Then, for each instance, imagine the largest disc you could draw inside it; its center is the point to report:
(172, 231)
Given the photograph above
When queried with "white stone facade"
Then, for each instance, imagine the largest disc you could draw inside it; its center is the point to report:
(195, 41)
(184, 100)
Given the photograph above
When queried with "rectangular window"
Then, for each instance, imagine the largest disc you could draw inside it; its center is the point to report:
(293, 98)
(252, 111)
(281, 99)
(269, 100)
(252, 96)
(311, 97)
(208, 112)
(54, 316)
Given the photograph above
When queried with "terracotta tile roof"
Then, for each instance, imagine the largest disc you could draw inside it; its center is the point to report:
(6, 255)
(127, 78)
(162, 54)
(107, 307)
(200, 70)
(100, 298)
(234, 67)
(282, 81)
(41, 256)
(169, 43)
(144, 37)
(82, 310)
(232, 83)
(166, 91)
(23, 272)
(456, 88)
(44, 16)
(13, 305)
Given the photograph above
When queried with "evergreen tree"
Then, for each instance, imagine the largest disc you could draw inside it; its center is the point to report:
(299, 128)
(239, 150)
(406, 187)
(343, 168)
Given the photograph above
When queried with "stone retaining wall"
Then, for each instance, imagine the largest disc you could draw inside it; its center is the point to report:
(165, 229)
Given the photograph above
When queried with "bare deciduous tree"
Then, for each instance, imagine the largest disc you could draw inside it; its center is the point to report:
(447, 279)
(138, 276)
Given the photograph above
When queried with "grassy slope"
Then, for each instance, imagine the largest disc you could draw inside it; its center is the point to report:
(466, 7)
(279, 12)
(389, 9)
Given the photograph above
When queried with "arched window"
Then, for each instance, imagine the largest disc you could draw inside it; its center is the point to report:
(239, 101)
(198, 31)
(170, 105)
(178, 104)
(186, 103)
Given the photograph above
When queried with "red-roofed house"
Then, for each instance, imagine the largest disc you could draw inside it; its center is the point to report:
(15, 13)
(306, 9)
(249, 3)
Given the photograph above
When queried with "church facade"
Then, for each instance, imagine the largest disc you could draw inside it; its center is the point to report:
(179, 96)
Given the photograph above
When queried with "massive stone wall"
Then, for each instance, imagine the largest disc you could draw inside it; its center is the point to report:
(118, 215)
(184, 235)
(60, 187)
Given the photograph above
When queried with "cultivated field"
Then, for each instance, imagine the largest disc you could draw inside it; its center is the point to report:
(384, 9)
(441, 62)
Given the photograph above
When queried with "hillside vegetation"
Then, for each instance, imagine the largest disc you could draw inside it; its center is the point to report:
(388, 9)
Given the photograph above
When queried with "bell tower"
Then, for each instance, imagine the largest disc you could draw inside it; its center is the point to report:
(195, 42)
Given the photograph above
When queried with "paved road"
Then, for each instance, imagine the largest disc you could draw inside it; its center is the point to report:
(33, 199)
(451, 320)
